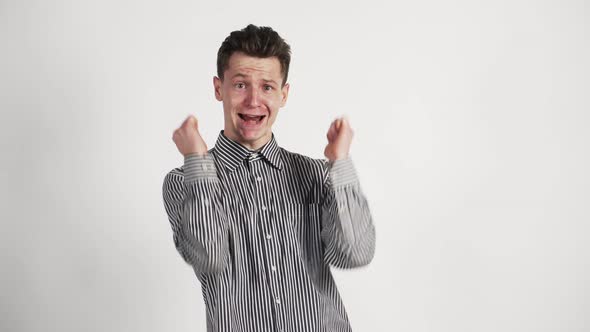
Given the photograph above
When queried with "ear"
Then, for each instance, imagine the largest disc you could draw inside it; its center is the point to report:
(285, 93)
(217, 86)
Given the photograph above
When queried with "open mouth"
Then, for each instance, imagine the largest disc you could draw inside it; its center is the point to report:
(251, 119)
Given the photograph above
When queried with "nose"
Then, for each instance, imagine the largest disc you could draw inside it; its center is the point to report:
(253, 99)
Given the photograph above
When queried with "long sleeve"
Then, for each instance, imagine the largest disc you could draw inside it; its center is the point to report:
(193, 202)
(348, 232)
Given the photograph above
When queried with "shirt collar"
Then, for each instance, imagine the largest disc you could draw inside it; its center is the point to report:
(232, 154)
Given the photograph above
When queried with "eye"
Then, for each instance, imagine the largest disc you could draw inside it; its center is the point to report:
(268, 87)
(240, 85)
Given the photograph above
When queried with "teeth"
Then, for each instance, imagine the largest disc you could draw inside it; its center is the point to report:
(247, 117)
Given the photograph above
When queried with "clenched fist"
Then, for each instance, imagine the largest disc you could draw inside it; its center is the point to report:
(187, 138)
(339, 140)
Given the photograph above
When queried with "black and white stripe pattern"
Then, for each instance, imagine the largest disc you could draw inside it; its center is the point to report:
(261, 229)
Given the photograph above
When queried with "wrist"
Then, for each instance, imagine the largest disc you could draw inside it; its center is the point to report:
(195, 153)
(338, 157)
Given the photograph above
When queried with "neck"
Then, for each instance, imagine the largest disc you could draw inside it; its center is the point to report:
(254, 145)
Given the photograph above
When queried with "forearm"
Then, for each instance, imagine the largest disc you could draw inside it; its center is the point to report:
(194, 206)
(348, 231)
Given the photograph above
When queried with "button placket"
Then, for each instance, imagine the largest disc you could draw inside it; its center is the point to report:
(264, 201)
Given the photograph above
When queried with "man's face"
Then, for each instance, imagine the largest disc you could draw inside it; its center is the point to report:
(251, 93)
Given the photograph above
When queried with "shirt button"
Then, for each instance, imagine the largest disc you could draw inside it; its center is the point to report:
(204, 167)
(263, 208)
(259, 179)
(268, 236)
(278, 301)
(206, 201)
(273, 268)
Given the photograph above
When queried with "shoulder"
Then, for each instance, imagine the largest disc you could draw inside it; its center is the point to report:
(297, 158)
(307, 165)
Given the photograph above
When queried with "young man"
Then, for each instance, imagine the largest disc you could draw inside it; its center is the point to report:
(260, 225)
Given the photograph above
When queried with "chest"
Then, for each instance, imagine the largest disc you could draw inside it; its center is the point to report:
(265, 206)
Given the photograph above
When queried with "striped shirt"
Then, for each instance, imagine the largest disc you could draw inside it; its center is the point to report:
(261, 230)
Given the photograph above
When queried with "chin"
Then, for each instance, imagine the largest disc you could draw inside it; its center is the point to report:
(251, 137)
(254, 136)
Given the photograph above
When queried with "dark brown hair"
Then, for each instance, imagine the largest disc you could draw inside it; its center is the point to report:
(260, 42)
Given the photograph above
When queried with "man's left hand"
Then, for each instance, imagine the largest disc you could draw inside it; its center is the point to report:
(339, 140)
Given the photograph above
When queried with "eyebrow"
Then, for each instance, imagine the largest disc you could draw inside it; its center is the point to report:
(270, 81)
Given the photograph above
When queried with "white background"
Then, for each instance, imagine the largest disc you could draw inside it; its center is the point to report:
(471, 144)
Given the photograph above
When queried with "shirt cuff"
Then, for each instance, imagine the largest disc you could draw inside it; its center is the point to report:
(342, 172)
(199, 167)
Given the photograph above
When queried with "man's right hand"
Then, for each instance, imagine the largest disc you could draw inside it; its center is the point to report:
(188, 139)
